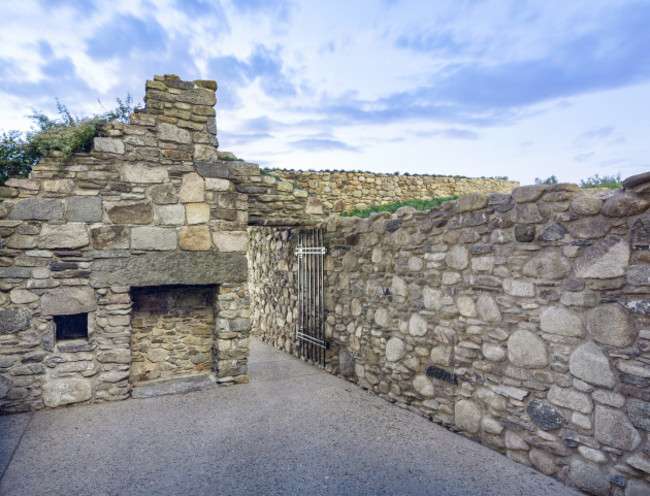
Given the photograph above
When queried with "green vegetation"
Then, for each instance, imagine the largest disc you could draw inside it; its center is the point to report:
(59, 138)
(611, 182)
(423, 205)
(548, 180)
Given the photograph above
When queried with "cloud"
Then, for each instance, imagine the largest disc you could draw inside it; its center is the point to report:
(126, 34)
(450, 133)
(280, 9)
(198, 8)
(82, 6)
(597, 132)
(439, 42)
(263, 65)
(238, 139)
(320, 145)
(582, 157)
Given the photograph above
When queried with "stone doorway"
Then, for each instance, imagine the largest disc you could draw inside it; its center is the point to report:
(173, 332)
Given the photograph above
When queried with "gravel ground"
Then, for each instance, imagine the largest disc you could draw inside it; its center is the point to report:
(293, 430)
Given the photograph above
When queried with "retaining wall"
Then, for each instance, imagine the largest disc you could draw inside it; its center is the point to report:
(521, 320)
(345, 191)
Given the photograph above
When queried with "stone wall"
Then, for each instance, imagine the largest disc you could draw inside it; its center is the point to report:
(345, 191)
(151, 205)
(520, 320)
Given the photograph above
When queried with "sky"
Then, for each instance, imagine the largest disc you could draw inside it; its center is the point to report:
(518, 88)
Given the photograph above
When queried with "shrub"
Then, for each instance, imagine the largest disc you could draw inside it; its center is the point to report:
(548, 180)
(423, 204)
(60, 137)
(611, 182)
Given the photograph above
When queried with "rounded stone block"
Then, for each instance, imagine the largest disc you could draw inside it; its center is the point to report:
(457, 257)
(603, 260)
(547, 265)
(395, 349)
(591, 365)
(417, 325)
(468, 416)
(527, 350)
(561, 321)
(613, 428)
(422, 384)
(488, 309)
(611, 325)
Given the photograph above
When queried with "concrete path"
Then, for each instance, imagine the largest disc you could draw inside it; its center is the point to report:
(293, 430)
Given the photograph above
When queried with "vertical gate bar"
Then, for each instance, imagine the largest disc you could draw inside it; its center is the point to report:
(322, 295)
(299, 343)
(311, 300)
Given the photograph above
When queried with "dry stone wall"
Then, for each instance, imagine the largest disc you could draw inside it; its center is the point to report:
(151, 206)
(345, 191)
(521, 320)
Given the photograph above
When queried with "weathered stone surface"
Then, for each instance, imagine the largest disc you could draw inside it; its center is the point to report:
(441, 355)
(547, 265)
(5, 386)
(493, 352)
(170, 132)
(108, 145)
(511, 392)
(457, 257)
(586, 204)
(22, 242)
(431, 298)
(611, 325)
(637, 488)
(13, 272)
(139, 213)
(543, 461)
(162, 194)
(194, 238)
(517, 287)
(530, 193)
(640, 462)
(525, 234)
(561, 321)
(169, 215)
(60, 186)
(14, 319)
(487, 309)
(37, 209)
(614, 429)
(515, 441)
(63, 236)
(192, 189)
(544, 415)
(65, 391)
(219, 170)
(422, 384)
(140, 173)
(638, 275)
(417, 325)
(603, 260)
(589, 478)
(205, 153)
(346, 363)
(198, 96)
(624, 204)
(591, 365)
(398, 287)
(589, 228)
(553, 232)
(21, 296)
(570, 398)
(466, 306)
(468, 415)
(525, 349)
(395, 349)
(488, 424)
(639, 414)
(473, 201)
(232, 241)
(83, 209)
(217, 184)
(153, 238)
(157, 269)
(68, 301)
(110, 237)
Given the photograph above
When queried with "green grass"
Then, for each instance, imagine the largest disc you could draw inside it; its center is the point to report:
(422, 205)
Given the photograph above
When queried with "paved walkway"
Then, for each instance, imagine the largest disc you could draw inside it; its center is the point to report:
(293, 430)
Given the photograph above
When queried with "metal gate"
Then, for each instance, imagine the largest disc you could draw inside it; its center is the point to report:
(311, 296)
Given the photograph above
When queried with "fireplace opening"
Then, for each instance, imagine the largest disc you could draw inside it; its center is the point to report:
(71, 326)
(173, 332)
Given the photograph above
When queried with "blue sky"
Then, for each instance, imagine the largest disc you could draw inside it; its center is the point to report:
(516, 88)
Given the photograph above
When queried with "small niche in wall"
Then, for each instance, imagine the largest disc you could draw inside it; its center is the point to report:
(71, 326)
